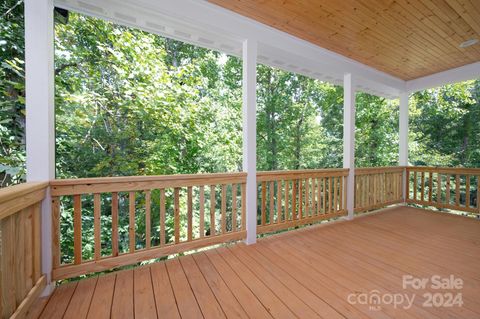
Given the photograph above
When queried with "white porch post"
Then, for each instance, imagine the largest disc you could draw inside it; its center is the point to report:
(250, 135)
(40, 135)
(403, 138)
(349, 140)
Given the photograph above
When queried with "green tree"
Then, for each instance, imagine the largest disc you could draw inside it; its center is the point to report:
(444, 126)
(12, 93)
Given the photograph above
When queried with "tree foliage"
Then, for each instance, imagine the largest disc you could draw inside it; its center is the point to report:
(12, 93)
(445, 126)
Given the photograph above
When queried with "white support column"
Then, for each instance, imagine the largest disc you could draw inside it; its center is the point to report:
(403, 138)
(250, 135)
(40, 131)
(349, 140)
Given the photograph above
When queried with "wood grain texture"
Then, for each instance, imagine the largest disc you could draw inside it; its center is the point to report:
(407, 39)
(462, 197)
(376, 188)
(296, 274)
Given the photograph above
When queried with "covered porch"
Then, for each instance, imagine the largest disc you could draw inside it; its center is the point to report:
(331, 270)
(374, 233)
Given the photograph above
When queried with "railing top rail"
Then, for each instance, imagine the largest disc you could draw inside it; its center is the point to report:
(293, 174)
(445, 170)
(382, 169)
(16, 191)
(62, 187)
(17, 197)
(123, 179)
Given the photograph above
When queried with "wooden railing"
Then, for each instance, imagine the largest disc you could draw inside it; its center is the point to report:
(452, 188)
(130, 215)
(21, 280)
(378, 187)
(292, 198)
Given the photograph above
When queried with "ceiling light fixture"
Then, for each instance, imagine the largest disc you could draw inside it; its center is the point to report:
(468, 43)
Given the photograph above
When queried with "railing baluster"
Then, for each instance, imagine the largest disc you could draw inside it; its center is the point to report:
(330, 195)
(189, 214)
(307, 197)
(162, 217)
(202, 211)
(131, 226)
(37, 246)
(300, 198)
(279, 201)
(478, 194)
(244, 203)
(271, 206)
(439, 188)
(7, 264)
(335, 195)
(407, 184)
(467, 191)
(415, 180)
(366, 199)
(18, 271)
(114, 224)
(96, 226)
(234, 207)
(422, 187)
(77, 229)
(457, 190)
(314, 197)
(341, 193)
(224, 209)
(176, 214)
(324, 194)
(264, 203)
(430, 186)
(447, 195)
(55, 232)
(294, 199)
(287, 200)
(212, 210)
(148, 219)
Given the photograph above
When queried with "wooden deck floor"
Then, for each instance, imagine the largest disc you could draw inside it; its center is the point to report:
(307, 273)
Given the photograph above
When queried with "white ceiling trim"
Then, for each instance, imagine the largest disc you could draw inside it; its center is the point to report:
(463, 73)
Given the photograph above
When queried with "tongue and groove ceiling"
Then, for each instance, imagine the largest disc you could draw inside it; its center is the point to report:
(404, 38)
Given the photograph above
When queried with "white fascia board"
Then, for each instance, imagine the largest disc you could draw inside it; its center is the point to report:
(207, 25)
(463, 73)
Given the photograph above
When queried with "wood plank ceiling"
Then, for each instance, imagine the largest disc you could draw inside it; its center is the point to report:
(405, 38)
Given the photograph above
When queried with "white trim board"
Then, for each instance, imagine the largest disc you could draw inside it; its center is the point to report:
(463, 73)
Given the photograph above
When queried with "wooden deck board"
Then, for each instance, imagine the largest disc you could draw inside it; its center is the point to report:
(307, 273)
(122, 303)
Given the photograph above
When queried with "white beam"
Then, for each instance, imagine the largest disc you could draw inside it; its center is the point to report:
(463, 73)
(349, 140)
(403, 130)
(403, 138)
(40, 135)
(250, 135)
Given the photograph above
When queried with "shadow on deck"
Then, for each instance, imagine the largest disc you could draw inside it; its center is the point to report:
(326, 271)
